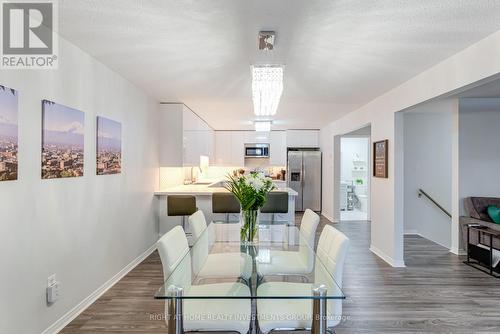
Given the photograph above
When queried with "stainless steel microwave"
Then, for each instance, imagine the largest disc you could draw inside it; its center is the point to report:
(256, 150)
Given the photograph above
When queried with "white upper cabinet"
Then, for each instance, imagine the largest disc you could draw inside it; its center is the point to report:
(302, 138)
(197, 143)
(252, 137)
(277, 148)
(223, 148)
(171, 136)
(199, 139)
(238, 148)
(183, 137)
(230, 146)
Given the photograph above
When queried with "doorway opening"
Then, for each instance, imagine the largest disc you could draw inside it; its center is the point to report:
(354, 185)
(427, 156)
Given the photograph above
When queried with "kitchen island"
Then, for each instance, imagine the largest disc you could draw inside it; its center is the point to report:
(203, 191)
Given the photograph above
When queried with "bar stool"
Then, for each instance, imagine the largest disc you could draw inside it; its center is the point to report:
(276, 202)
(181, 205)
(225, 203)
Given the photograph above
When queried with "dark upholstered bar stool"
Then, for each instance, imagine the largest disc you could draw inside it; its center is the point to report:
(225, 203)
(277, 202)
(181, 205)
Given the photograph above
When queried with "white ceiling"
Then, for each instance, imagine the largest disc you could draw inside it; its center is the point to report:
(338, 54)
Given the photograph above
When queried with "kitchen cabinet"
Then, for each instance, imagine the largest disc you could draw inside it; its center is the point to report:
(238, 148)
(183, 137)
(253, 137)
(229, 148)
(302, 138)
(195, 144)
(277, 148)
(171, 135)
(223, 148)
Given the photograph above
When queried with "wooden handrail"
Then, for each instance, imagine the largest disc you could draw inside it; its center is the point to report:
(421, 192)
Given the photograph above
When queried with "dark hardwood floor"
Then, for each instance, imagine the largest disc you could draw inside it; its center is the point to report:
(435, 293)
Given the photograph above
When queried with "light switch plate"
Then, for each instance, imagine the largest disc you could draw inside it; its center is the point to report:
(51, 280)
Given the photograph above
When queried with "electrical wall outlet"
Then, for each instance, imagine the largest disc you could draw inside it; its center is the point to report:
(53, 289)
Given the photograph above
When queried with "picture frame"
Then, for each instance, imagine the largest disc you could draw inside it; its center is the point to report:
(108, 146)
(62, 141)
(381, 159)
(8, 134)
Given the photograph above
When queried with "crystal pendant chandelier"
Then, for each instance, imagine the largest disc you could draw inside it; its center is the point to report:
(267, 87)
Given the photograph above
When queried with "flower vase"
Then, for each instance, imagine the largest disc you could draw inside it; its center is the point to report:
(249, 227)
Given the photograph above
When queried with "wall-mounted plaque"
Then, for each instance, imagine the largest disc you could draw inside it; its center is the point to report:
(381, 159)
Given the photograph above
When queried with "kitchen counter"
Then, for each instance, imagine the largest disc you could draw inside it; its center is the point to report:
(206, 188)
(203, 192)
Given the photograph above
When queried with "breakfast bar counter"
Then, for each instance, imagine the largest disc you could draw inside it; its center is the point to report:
(203, 191)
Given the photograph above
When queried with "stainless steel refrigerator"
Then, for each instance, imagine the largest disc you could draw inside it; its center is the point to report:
(304, 176)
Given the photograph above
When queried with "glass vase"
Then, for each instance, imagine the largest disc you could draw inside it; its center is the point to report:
(249, 227)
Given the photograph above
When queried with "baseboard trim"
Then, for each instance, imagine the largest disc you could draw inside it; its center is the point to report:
(457, 251)
(387, 258)
(62, 322)
(329, 218)
(414, 232)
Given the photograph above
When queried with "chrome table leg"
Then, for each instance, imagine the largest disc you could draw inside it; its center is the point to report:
(174, 315)
(319, 323)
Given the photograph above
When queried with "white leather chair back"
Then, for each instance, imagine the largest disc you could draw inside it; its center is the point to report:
(308, 226)
(174, 252)
(332, 251)
(198, 224)
(203, 240)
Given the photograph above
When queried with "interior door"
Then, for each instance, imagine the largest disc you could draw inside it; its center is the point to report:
(311, 191)
(295, 176)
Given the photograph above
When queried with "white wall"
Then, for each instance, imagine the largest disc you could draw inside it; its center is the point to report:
(427, 165)
(479, 145)
(84, 229)
(459, 72)
(352, 148)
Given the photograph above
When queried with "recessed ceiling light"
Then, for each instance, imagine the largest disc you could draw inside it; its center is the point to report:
(263, 126)
(267, 87)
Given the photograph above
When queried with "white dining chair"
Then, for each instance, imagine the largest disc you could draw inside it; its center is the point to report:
(208, 265)
(274, 314)
(299, 262)
(202, 314)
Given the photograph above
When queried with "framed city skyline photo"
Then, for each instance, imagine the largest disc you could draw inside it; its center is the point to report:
(109, 146)
(8, 134)
(62, 141)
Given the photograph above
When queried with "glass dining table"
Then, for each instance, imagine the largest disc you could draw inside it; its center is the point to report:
(278, 259)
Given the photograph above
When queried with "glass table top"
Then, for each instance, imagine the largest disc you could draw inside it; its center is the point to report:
(280, 264)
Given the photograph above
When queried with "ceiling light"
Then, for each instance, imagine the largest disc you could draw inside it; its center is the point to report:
(266, 40)
(267, 86)
(263, 126)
